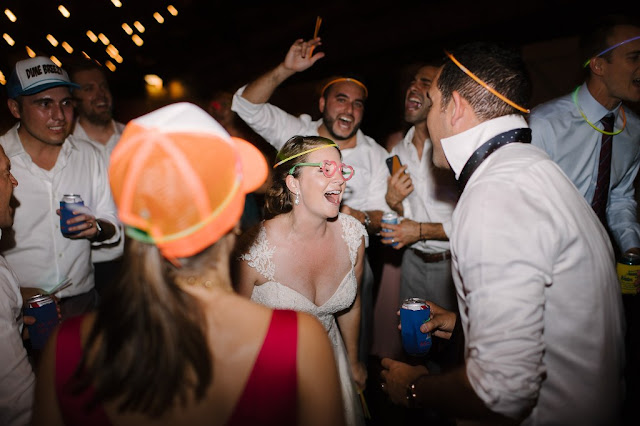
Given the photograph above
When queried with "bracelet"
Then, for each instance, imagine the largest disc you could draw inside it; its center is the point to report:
(412, 396)
(420, 231)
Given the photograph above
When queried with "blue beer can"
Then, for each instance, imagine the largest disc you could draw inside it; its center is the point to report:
(389, 217)
(68, 204)
(413, 313)
(43, 309)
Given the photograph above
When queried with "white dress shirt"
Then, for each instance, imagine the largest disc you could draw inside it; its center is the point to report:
(539, 299)
(434, 194)
(365, 191)
(559, 129)
(17, 380)
(39, 255)
(106, 149)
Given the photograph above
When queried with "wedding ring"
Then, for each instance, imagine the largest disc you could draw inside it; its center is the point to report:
(393, 240)
(90, 225)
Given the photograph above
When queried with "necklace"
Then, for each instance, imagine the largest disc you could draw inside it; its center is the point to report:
(624, 116)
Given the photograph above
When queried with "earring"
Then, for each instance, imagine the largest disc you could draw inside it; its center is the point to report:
(297, 200)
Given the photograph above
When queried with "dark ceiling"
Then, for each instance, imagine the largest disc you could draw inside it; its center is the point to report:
(214, 45)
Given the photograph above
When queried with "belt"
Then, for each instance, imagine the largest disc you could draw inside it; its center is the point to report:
(432, 257)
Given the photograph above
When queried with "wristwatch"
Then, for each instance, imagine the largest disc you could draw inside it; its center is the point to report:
(367, 219)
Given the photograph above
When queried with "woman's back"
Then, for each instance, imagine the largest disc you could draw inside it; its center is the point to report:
(235, 351)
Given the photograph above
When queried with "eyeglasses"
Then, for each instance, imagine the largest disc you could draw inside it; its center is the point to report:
(329, 169)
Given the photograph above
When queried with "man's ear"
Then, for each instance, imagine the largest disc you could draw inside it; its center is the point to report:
(321, 104)
(14, 107)
(457, 105)
(595, 65)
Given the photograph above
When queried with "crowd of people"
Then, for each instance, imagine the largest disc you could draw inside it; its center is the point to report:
(230, 264)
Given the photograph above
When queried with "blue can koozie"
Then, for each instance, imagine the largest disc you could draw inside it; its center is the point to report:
(68, 204)
(44, 310)
(413, 313)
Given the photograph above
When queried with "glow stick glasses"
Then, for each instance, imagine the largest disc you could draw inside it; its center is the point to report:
(329, 169)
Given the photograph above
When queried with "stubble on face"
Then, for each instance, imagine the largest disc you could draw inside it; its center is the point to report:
(343, 110)
(436, 124)
(93, 98)
(416, 105)
(624, 81)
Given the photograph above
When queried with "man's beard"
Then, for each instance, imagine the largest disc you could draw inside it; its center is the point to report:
(329, 122)
(100, 119)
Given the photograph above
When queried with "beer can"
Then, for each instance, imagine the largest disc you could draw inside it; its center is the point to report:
(628, 267)
(389, 217)
(413, 313)
(68, 204)
(43, 309)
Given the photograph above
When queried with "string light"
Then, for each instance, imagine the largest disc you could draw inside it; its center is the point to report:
(63, 11)
(10, 15)
(66, 46)
(104, 39)
(111, 51)
(8, 39)
(139, 26)
(52, 40)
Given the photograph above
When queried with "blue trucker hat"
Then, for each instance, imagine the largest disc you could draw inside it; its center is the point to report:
(34, 75)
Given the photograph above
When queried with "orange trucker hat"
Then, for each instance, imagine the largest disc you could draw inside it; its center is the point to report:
(179, 179)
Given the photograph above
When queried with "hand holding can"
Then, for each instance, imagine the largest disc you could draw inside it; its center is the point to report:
(69, 204)
(44, 309)
(413, 313)
(389, 217)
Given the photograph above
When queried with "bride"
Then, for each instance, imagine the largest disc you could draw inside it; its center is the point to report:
(309, 257)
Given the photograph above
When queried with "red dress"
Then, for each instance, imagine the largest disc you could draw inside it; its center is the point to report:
(269, 397)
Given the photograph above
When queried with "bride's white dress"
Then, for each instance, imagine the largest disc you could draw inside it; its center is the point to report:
(277, 295)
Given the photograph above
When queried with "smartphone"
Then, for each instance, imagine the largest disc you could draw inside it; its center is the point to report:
(394, 164)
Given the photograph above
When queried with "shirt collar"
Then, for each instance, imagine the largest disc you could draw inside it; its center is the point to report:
(592, 109)
(460, 147)
(13, 145)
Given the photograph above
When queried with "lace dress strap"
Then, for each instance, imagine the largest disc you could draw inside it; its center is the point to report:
(260, 256)
(352, 233)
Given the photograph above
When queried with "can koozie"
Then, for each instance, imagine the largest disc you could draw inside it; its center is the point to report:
(413, 313)
(43, 309)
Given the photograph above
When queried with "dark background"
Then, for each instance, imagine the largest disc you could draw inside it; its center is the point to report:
(214, 45)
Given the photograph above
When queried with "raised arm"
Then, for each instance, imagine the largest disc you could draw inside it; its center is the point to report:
(298, 59)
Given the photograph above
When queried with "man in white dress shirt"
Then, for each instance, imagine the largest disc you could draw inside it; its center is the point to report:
(540, 306)
(95, 125)
(425, 196)
(49, 163)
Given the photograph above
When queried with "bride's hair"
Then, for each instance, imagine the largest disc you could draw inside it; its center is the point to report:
(278, 198)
